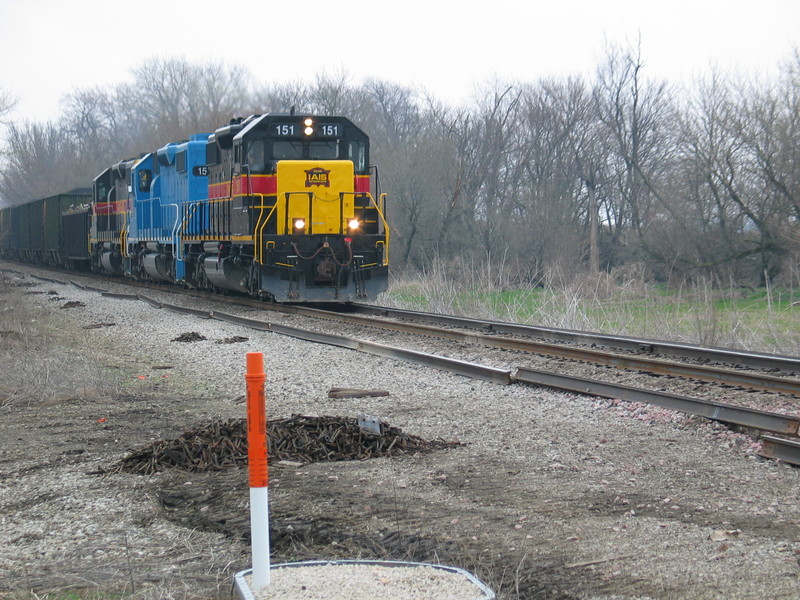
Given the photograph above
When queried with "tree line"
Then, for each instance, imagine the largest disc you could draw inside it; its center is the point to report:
(600, 174)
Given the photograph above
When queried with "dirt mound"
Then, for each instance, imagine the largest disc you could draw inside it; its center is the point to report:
(189, 336)
(223, 444)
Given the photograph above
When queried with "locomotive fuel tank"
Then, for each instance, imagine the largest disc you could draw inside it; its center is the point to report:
(157, 263)
(225, 272)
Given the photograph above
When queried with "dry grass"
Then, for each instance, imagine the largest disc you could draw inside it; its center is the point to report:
(39, 362)
(766, 320)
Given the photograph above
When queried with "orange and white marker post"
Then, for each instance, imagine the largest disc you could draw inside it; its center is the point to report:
(259, 473)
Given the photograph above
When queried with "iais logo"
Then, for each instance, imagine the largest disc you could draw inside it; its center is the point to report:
(318, 176)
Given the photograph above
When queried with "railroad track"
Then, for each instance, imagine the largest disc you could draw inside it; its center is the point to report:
(748, 379)
(765, 421)
(753, 360)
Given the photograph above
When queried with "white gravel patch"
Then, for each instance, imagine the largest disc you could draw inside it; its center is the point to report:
(366, 582)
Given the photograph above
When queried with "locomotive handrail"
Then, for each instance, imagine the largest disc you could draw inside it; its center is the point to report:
(386, 230)
(188, 212)
(177, 241)
(286, 199)
(123, 242)
(123, 235)
(261, 224)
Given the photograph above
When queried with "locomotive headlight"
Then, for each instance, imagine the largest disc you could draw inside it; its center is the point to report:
(354, 224)
(299, 224)
(309, 126)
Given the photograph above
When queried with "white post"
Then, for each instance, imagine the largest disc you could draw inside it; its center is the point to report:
(258, 466)
(259, 532)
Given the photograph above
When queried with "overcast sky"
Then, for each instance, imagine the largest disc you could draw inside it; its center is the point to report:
(52, 47)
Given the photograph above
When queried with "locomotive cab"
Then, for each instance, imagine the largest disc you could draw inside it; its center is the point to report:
(290, 196)
(110, 208)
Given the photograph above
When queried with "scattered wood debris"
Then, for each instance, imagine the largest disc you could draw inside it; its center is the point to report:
(298, 439)
(355, 393)
(73, 304)
(232, 340)
(99, 325)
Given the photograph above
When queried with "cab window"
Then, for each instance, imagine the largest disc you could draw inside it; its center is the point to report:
(287, 150)
(323, 149)
(255, 156)
(145, 177)
(357, 153)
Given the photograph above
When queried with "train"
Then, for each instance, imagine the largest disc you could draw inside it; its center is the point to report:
(281, 207)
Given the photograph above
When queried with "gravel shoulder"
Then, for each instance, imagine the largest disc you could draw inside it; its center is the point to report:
(549, 495)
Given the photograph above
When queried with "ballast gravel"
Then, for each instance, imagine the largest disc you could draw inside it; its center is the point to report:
(549, 495)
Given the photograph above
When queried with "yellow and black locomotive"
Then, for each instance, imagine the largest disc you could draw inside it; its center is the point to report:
(290, 212)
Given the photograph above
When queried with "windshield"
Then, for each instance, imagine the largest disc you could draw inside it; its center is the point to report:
(296, 150)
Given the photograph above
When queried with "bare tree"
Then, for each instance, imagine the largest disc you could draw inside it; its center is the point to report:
(767, 126)
(174, 97)
(40, 163)
(90, 119)
(391, 112)
(461, 177)
(7, 103)
(282, 98)
(575, 114)
(636, 115)
(334, 94)
(705, 226)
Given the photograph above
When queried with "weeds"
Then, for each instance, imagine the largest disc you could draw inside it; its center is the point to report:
(40, 363)
(700, 311)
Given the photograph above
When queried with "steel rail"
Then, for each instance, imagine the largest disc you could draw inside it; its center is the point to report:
(86, 288)
(781, 449)
(718, 411)
(750, 380)
(757, 381)
(755, 360)
(50, 279)
(460, 367)
(727, 413)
